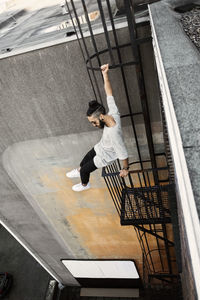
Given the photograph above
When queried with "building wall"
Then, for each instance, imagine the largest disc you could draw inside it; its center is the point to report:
(180, 61)
(43, 99)
(187, 277)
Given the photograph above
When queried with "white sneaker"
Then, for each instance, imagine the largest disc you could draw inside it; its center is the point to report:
(74, 173)
(79, 187)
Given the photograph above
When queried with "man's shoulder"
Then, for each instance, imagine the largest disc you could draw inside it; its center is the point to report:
(115, 129)
(117, 118)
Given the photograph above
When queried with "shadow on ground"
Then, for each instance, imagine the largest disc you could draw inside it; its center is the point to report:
(30, 280)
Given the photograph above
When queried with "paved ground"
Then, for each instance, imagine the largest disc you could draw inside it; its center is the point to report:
(30, 280)
(38, 168)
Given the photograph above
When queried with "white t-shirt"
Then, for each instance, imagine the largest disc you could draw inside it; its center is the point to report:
(111, 145)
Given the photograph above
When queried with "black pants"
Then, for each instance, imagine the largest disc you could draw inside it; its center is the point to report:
(87, 166)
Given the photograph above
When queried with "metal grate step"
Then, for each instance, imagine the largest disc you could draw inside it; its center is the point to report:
(146, 205)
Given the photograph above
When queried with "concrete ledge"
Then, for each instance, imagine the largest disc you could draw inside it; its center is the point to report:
(177, 63)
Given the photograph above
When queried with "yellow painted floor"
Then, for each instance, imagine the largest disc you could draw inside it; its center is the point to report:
(87, 222)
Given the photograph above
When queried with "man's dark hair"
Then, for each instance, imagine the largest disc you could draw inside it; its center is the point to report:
(95, 109)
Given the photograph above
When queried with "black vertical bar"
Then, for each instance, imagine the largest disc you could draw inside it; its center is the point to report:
(116, 197)
(91, 32)
(154, 226)
(81, 49)
(130, 204)
(118, 178)
(125, 83)
(106, 32)
(85, 46)
(116, 181)
(144, 200)
(142, 247)
(117, 191)
(149, 182)
(130, 180)
(167, 248)
(149, 252)
(140, 77)
(132, 28)
(125, 188)
(122, 179)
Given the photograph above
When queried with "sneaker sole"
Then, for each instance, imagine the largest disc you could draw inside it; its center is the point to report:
(81, 190)
(78, 176)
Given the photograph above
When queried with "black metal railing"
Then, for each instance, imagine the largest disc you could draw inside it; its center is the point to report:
(113, 47)
(146, 206)
(139, 201)
(143, 199)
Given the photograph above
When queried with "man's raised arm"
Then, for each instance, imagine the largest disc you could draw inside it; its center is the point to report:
(107, 85)
(113, 110)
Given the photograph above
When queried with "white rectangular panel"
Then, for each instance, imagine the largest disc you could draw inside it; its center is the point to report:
(102, 269)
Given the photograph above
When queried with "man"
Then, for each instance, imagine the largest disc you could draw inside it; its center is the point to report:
(111, 145)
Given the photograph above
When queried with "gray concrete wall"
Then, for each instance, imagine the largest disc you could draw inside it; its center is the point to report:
(44, 94)
(187, 276)
(181, 63)
(39, 99)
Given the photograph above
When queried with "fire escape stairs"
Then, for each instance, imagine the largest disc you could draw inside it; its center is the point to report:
(144, 200)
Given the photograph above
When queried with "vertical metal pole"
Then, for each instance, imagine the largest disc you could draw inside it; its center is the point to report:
(85, 46)
(125, 83)
(106, 32)
(91, 32)
(167, 248)
(140, 78)
(81, 49)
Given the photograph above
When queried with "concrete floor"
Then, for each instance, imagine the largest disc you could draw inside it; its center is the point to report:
(38, 168)
(30, 280)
